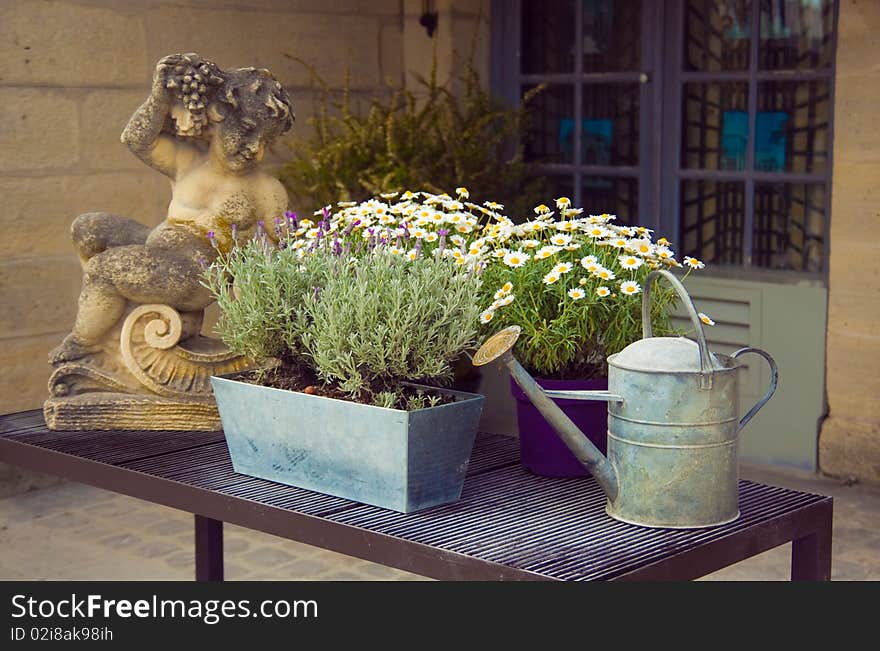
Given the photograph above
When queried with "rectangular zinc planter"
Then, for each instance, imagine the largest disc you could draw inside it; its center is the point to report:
(404, 461)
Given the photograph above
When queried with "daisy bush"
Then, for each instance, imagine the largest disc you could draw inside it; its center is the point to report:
(573, 283)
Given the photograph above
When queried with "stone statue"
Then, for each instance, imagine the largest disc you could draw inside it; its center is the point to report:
(135, 358)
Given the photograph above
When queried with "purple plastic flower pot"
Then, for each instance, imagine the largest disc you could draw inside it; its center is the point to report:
(542, 452)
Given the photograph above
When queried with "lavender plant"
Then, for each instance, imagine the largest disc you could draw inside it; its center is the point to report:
(362, 310)
(260, 290)
(388, 319)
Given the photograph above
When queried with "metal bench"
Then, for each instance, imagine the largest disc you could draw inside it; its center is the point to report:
(508, 524)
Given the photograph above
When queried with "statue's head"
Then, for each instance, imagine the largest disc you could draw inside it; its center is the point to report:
(241, 111)
(251, 109)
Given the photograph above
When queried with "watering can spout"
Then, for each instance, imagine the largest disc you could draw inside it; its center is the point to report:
(498, 347)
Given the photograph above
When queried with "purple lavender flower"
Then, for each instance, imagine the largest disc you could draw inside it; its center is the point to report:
(337, 247)
(351, 227)
(203, 262)
(260, 231)
(212, 239)
(443, 232)
(235, 233)
(292, 220)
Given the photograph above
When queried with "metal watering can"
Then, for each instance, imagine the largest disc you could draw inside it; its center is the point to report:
(672, 423)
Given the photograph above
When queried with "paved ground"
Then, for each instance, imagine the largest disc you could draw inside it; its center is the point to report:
(73, 531)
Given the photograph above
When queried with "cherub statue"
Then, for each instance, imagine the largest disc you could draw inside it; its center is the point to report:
(207, 129)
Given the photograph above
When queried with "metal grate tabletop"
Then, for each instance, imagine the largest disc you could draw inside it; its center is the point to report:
(508, 524)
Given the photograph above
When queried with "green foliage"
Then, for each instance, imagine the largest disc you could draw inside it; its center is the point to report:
(420, 141)
(260, 291)
(387, 319)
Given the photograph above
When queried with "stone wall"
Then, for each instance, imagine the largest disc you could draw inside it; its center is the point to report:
(849, 444)
(73, 73)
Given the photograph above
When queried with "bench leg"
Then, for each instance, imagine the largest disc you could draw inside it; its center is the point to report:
(209, 549)
(811, 555)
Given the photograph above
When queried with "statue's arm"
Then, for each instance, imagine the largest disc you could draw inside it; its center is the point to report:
(143, 133)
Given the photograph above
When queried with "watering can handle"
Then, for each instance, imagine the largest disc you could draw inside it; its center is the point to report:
(706, 372)
(774, 380)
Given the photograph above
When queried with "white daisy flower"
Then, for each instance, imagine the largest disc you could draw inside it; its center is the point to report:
(394, 250)
(456, 239)
(705, 318)
(493, 205)
(487, 315)
(693, 263)
(602, 291)
(546, 252)
(604, 274)
(630, 287)
(431, 237)
(566, 226)
(462, 192)
(562, 268)
(530, 244)
(551, 278)
(507, 287)
(630, 261)
(664, 253)
(437, 218)
(464, 228)
(418, 233)
(516, 259)
(572, 212)
(563, 202)
(573, 247)
(560, 240)
(505, 300)
(500, 253)
(582, 282)
(586, 261)
(347, 204)
(412, 254)
(541, 210)
(618, 242)
(576, 293)
(641, 247)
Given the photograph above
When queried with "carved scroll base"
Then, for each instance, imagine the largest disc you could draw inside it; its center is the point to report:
(113, 411)
(152, 372)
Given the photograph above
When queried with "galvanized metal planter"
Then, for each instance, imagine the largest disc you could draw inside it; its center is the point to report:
(403, 461)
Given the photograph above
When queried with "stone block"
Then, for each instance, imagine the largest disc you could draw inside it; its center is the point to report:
(330, 42)
(391, 54)
(71, 44)
(858, 40)
(40, 129)
(850, 449)
(103, 116)
(25, 377)
(855, 101)
(38, 295)
(37, 211)
(855, 203)
(853, 265)
(850, 314)
(851, 380)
